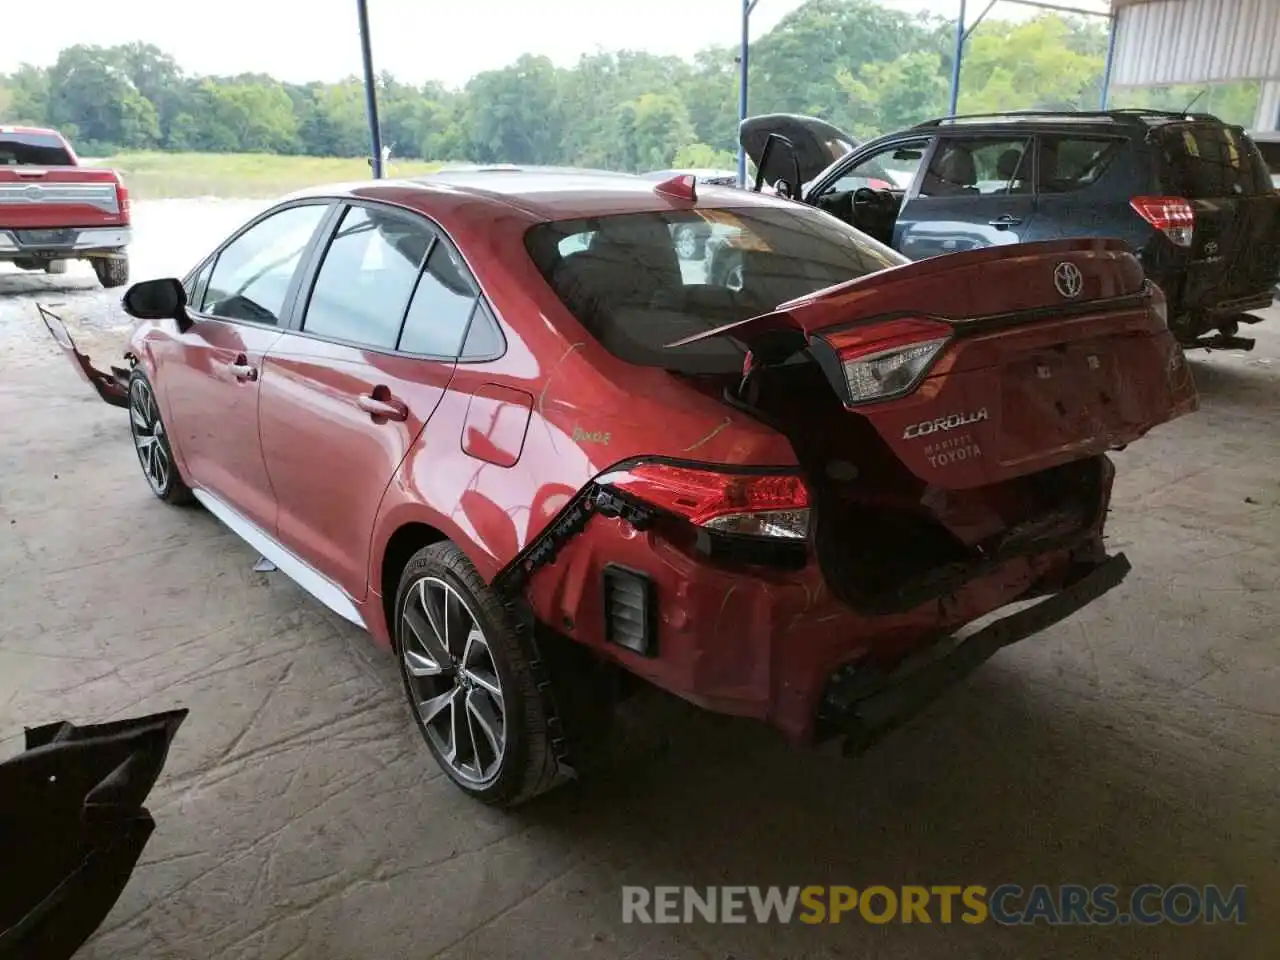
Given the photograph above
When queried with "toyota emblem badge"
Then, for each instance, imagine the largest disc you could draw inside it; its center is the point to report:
(1068, 279)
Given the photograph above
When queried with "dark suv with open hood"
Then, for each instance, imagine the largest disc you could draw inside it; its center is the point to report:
(1189, 194)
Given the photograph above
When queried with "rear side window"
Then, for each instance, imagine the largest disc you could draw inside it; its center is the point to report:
(1204, 160)
(1069, 163)
(979, 167)
(34, 150)
(441, 308)
(367, 276)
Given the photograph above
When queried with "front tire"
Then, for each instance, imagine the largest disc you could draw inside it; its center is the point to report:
(151, 441)
(112, 271)
(468, 672)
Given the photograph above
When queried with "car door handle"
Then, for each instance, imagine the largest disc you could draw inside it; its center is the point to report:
(1006, 221)
(388, 409)
(244, 372)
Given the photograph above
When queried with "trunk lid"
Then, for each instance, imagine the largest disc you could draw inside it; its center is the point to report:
(46, 198)
(817, 144)
(1053, 352)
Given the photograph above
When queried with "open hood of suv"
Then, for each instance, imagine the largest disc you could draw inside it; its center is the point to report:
(818, 144)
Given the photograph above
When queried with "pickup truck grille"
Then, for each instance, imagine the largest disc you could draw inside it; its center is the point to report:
(100, 195)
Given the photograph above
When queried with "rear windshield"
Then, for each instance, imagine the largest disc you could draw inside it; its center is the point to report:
(33, 150)
(1203, 160)
(626, 281)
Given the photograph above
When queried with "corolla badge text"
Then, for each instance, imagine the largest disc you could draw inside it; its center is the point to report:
(949, 422)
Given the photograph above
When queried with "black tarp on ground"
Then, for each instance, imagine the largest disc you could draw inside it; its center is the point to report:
(72, 826)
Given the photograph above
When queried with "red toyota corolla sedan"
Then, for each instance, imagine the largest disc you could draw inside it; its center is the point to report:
(492, 416)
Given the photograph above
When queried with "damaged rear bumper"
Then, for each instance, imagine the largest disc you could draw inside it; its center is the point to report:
(864, 708)
(112, 387)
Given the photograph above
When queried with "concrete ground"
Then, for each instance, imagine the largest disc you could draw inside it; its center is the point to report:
(300, 815)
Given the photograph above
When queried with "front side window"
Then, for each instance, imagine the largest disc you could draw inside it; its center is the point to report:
(629, 288)
(893, 168)
(979, 166)
(251, 277)
(366, 278)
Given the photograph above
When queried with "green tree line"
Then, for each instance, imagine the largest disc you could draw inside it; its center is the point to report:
(858, 65)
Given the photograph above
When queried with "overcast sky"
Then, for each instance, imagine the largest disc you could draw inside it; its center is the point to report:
(417, 40)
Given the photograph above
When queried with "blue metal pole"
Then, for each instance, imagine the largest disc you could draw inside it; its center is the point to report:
(955, 63)
(370, 89)
(743, 73)
(1106, 70)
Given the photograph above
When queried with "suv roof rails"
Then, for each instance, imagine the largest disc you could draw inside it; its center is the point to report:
(1133, 116)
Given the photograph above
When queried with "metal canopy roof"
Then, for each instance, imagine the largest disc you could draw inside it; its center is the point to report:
(1164, 42)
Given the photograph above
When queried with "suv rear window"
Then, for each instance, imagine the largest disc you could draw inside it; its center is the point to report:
(623, 280)
(1203, 160)
(33, 150)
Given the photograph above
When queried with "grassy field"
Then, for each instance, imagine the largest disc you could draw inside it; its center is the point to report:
(160, 176)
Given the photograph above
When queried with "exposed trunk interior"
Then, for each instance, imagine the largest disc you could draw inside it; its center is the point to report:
(885, 539)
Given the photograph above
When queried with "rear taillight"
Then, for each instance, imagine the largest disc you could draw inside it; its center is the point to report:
(122, 199)
(748, 504)
(886, 359)
(1172, 216)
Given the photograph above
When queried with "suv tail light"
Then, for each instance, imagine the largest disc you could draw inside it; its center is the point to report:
(745, 504)
(122, 199)
(1172, 216)
(880, 361)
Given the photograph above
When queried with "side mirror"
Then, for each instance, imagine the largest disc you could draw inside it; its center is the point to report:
(164, 299)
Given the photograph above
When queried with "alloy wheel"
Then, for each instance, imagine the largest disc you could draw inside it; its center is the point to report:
(453, 681)
(686, 242)
(148, 436)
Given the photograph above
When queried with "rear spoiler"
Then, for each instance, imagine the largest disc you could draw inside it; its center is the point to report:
(112, 387)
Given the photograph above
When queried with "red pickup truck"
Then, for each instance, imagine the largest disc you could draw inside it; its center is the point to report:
(53, 210)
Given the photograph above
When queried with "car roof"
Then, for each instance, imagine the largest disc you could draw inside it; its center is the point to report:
(1136, 120)
(540, 194)
(12, 128)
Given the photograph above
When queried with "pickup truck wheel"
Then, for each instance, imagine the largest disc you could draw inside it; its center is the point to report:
(468, 671)
(112, 271)
(55, 267)
(151, 440)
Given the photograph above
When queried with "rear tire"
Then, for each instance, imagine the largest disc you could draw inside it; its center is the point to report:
(112, 271)
(468, 670)
(56, 267)
(151, 441)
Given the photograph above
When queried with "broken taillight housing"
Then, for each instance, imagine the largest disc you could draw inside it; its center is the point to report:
(747, 504)
(886, 359)
(1172, 216)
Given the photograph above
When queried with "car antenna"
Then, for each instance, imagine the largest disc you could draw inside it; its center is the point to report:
(1194, 100)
